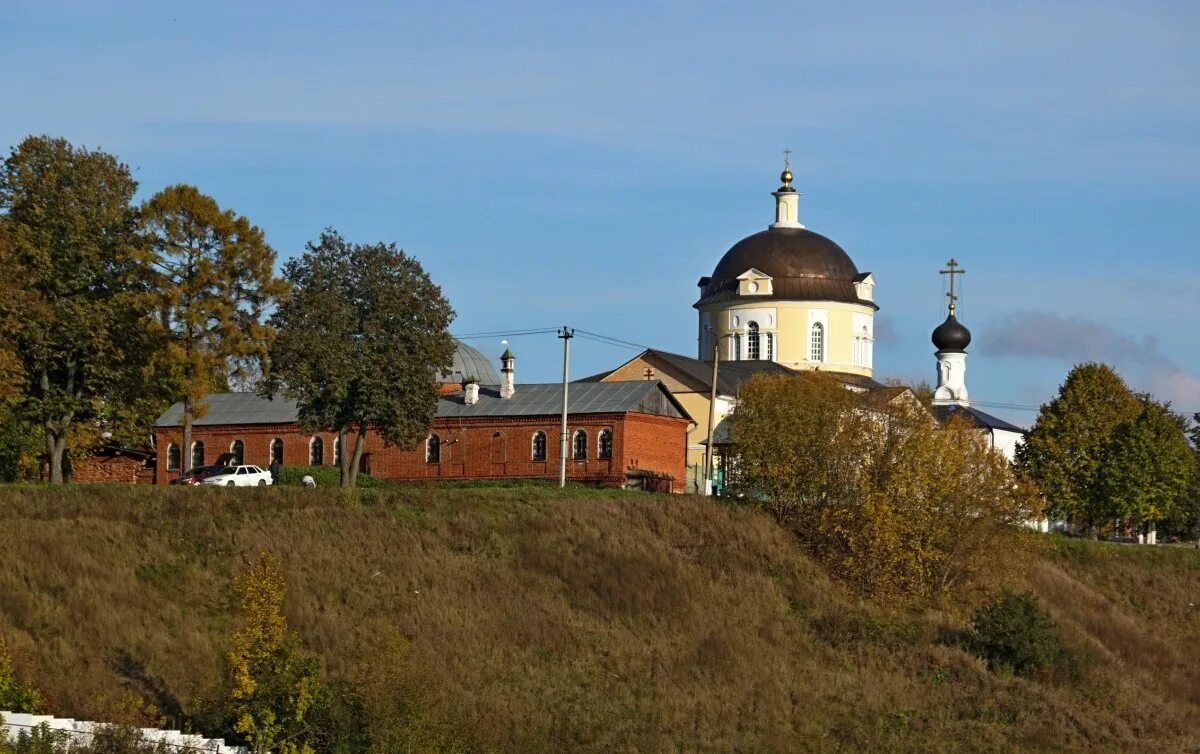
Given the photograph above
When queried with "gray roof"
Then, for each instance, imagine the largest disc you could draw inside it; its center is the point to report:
(642, 396)
(638, 396)
(469, 362)
(731, 374)
(979, 418)
(234, 408)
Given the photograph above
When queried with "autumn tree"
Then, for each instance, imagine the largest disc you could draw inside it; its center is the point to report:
(71, 229)
(782, 433)
(892, 502)
(1066, 449)
(274, 682)
(360, 341)
(16, 694)
(214, 280)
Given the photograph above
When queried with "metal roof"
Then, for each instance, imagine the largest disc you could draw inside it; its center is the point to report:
(975, 416)
(234, 408)
(731, 374)
(642, 396)
(469, 362)
(638, 396)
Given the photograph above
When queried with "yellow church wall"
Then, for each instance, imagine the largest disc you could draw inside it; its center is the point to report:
(792, 331)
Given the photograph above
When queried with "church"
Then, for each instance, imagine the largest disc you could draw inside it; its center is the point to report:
(787, 299)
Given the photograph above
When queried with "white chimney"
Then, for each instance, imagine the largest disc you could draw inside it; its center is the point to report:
(508, 379)
(471, 393)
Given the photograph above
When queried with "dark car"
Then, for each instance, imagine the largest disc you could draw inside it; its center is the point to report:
(198, 474)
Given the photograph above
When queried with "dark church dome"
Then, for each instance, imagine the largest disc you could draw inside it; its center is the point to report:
(951, 335)
(787, 253)
(803, 266)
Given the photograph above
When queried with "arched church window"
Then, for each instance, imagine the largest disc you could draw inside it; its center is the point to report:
(277, 451)
(539, 446)
(604, 444)
(579, 445)
(197, 454)
(238, 449)
(753, 350)
(433, 449)
(316, 452)
(172, 457)
(817, 351)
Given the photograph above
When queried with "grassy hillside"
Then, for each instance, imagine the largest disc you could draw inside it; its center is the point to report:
(543, 621)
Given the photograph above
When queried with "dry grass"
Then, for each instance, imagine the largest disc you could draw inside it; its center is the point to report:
(591, 620)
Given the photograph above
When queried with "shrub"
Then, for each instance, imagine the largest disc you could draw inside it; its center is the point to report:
(1012, 632)
(15, 694)
(324, 476)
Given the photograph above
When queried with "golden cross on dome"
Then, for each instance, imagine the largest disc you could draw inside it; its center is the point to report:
(953, 270)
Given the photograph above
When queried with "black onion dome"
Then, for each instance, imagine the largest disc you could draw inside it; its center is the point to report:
(951, 335)
(803, 265)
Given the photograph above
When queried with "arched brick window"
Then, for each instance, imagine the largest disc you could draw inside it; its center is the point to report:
(604, 445)
(433, 449)
(172, 457)
(277, 451)
(197, 454)
(539, 446)
(238, 449)
(316, 452)
(579, 445)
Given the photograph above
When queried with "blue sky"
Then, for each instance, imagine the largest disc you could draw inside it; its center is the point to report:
(584, 164)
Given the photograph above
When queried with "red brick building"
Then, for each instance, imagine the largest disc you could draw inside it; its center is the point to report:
(620, 434)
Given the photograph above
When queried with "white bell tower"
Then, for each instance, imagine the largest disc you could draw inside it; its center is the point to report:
(951, 339)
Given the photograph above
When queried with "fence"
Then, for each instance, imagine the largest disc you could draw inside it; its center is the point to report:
(80, 731)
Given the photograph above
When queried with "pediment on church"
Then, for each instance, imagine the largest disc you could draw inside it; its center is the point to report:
(754, 282)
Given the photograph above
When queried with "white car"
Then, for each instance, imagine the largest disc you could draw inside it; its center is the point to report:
(239, 476)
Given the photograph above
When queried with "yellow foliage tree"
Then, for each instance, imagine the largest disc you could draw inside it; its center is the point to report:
(274, 682)
(892, 502)
(16, 695)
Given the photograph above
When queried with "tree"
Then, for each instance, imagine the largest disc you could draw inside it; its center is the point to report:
(888, 500)
(214, 279)
(1148, 467)
(68, 218)
(1183, 520)
(360, 342)
(781, 434)
(1065, 450)
(273, 681)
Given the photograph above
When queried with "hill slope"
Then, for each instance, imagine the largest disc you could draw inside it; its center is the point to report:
(544, 621)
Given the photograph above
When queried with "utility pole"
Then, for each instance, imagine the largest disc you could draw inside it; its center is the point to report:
(712, 416)
(566, 334)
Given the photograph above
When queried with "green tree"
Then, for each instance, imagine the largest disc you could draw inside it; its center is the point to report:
(68, 217)
(1066, 449)
(273, 681)
(214, 279)
(360, 342)
(1148, 467)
